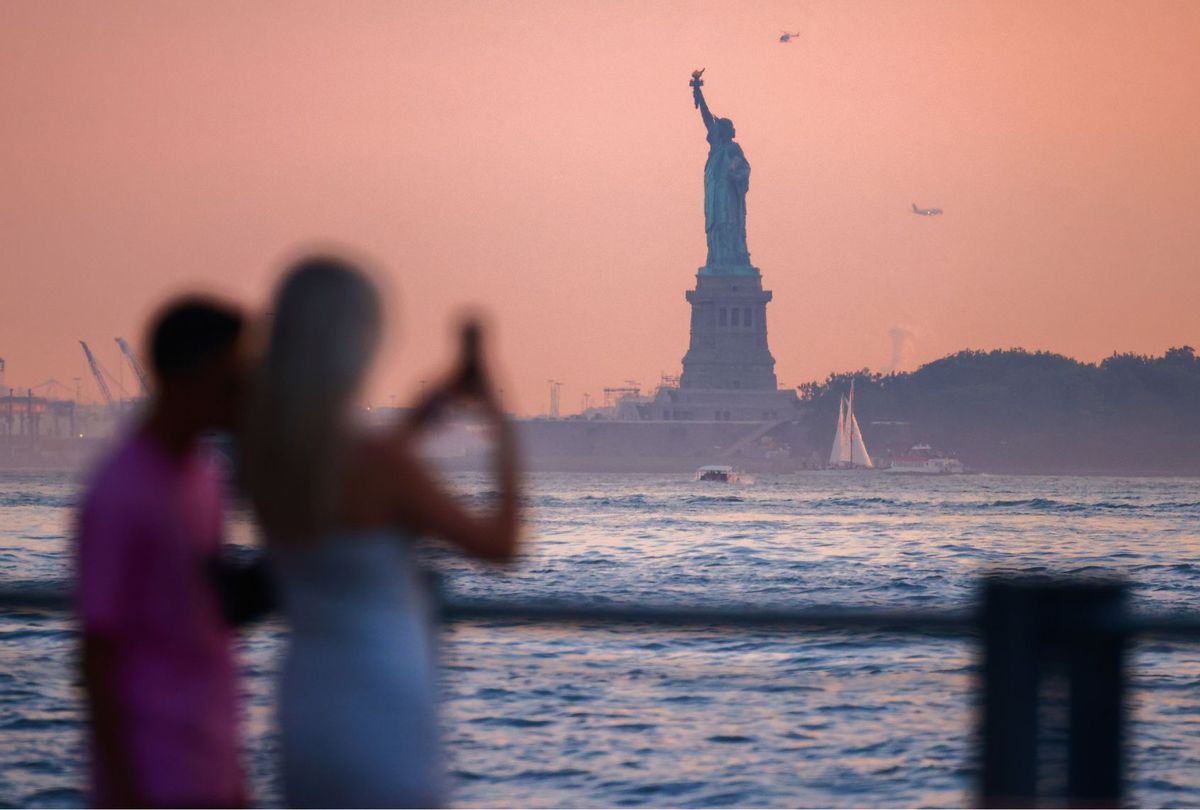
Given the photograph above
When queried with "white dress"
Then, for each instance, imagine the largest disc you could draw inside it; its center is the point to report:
(357, 693)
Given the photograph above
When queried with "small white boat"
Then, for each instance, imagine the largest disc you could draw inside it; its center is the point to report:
(924, 460)
(720, 473)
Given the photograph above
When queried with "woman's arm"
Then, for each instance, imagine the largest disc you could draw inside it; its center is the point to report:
(428, 410)
(423, 505)
(465, 381)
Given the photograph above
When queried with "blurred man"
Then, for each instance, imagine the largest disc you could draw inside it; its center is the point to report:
(158, 667)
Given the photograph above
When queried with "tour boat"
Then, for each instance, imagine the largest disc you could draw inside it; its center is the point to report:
(849, 451)
(924, 460)
(718, 472)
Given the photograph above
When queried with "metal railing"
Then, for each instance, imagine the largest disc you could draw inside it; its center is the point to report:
(1043, 641)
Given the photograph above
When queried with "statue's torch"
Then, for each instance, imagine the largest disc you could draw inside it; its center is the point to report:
(696, 83)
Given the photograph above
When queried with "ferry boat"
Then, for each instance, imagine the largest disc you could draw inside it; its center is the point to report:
(720, 473)
(924, 460)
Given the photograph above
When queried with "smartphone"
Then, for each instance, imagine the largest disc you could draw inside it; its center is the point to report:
(469, 360)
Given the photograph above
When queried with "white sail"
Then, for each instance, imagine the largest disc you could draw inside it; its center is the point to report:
(839, 453)
(858, 452)
(846, 436)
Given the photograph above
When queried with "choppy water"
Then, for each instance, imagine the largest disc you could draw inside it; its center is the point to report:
(553, 716)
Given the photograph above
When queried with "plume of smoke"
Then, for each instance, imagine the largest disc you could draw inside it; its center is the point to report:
(903, 348)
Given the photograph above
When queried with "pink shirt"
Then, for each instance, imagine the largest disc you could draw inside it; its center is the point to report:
(147, 527)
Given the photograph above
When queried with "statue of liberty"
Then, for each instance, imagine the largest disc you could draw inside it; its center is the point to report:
(726, 181)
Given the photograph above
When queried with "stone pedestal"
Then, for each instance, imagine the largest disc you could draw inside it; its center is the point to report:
(728, 349)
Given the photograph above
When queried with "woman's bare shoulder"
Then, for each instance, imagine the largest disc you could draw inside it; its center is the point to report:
(377, 461)
(370, 465)
(376, 447)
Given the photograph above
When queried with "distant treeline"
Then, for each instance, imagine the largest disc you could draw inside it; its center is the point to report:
(1026, 411)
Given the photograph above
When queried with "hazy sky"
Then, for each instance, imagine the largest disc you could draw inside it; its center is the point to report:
(544, 160)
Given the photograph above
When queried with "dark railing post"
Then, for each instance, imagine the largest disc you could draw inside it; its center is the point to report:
(1031, 629)
(1011, 663)
(1096, 666)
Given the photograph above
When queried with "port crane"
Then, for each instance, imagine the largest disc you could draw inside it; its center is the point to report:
(95, 367)
(52, 387)
(135, 364)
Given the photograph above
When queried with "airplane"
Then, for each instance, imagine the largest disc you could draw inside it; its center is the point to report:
(927, 212)
(788, 37)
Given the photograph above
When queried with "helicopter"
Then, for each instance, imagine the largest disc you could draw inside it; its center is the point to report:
(787, 37)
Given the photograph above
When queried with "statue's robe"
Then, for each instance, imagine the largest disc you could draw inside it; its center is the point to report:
(726, 181)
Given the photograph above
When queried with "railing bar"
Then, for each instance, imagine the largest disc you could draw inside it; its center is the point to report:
(892, 620)
(34, 599)
(1182, 626)
(898, 620)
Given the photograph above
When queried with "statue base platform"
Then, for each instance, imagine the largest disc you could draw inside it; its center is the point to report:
(722, 405)
(728, 348)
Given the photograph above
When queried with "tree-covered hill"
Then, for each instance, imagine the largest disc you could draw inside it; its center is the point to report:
(1029, 411)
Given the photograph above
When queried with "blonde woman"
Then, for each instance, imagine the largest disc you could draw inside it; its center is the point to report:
(339, 506)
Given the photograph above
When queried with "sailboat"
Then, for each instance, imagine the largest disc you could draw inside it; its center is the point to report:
(849, 450)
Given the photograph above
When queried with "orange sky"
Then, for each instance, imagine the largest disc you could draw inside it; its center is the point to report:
(544, 160)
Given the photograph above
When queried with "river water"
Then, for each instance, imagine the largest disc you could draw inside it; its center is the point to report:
(604, 716)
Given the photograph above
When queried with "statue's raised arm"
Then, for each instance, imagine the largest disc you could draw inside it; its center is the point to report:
(698, 97)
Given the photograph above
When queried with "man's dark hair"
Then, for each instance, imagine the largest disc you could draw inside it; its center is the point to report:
(190, 332)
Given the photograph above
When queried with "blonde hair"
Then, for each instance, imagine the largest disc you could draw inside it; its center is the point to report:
(323, 335)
